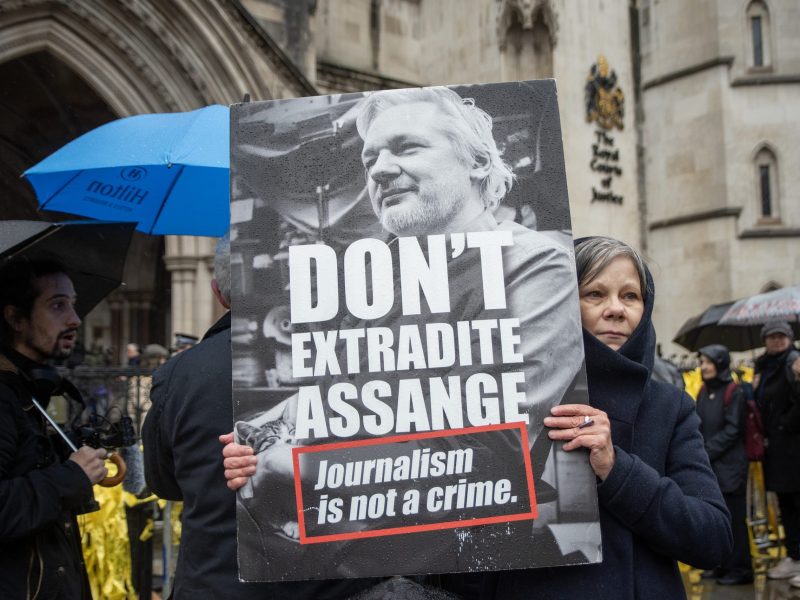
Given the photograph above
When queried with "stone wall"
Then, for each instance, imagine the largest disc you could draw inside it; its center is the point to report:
(462, 41)
(708, 113)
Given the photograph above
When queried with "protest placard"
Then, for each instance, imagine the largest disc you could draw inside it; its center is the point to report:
(405, 314)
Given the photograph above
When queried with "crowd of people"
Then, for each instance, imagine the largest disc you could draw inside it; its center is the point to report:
(670, 473)
(663, 497)
(732, 413)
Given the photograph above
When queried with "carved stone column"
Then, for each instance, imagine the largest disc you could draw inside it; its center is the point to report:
(188, 260)
(182, 270)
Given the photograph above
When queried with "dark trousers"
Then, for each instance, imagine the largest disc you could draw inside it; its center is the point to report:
(141, 552)
(789, 503)
(739, 560)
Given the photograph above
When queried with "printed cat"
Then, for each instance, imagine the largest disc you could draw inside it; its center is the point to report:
(261, 437)
(273, 436)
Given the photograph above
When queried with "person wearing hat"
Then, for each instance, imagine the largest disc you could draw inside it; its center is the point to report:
(184, 341)
(721, 408)
(777, 392)
(155, 355)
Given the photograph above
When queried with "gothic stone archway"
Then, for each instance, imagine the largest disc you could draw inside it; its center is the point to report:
(139, 56)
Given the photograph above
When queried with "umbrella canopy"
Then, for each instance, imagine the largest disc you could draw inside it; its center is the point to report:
(93, 253)
(704, 329)
(707, 328)
(779, 305)
(168, 173)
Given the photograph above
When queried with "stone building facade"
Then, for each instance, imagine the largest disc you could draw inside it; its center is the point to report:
(694, 161)
(361, 45)
(721, 101)
(704, 154)
(68, 66)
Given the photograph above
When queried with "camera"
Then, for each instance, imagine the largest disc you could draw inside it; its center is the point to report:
(99, 432)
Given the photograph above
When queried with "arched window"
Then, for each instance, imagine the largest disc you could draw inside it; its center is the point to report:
(770, 286)
(759, 41)
(766, 175)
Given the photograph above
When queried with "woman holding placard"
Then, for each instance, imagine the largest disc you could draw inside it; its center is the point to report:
(659, 500)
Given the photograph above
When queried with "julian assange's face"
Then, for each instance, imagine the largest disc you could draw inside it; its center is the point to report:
(417, 182)
(612, 304)
(708, 370)
(52, 329)
(776, 343)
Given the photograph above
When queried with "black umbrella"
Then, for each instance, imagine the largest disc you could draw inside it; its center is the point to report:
(704, 329)
(92, 252)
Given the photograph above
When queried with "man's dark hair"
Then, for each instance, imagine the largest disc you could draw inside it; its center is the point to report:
(18, 289)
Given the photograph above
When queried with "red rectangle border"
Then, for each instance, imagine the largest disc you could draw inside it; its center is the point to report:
(296, 452)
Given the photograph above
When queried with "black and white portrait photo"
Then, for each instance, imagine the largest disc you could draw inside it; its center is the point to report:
(405, 315)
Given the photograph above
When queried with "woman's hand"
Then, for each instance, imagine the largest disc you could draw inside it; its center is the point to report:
(568, 425)
(240, 462)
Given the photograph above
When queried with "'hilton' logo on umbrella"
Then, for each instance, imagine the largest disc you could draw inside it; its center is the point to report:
(125, 193)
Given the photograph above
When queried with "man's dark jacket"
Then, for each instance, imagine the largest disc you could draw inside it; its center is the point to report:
(191, 407)
(39, 492)
(778, 396)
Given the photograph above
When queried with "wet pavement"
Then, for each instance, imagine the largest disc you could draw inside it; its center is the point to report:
(761, 589)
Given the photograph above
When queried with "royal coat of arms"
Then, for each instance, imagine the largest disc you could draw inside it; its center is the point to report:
(605, 101)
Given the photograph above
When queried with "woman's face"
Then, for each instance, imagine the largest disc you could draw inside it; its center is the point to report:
(708, 370)
(612, 304)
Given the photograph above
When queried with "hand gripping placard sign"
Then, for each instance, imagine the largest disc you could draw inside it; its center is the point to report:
(405, 316)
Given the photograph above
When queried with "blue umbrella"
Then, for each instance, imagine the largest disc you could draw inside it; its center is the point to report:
(169, 173)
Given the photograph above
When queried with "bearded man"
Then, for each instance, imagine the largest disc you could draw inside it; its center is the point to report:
(42, 484)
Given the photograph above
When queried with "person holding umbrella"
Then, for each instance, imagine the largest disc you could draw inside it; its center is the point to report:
(721, 408)
(777, 391)
(42, 485)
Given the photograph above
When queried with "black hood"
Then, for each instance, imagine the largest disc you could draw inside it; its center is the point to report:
(641, 346)
(719, 355)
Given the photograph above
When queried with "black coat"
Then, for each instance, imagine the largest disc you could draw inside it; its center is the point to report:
(39, 494)
(723, 431)
(661, 501)
(191, 407)
(778, 396)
